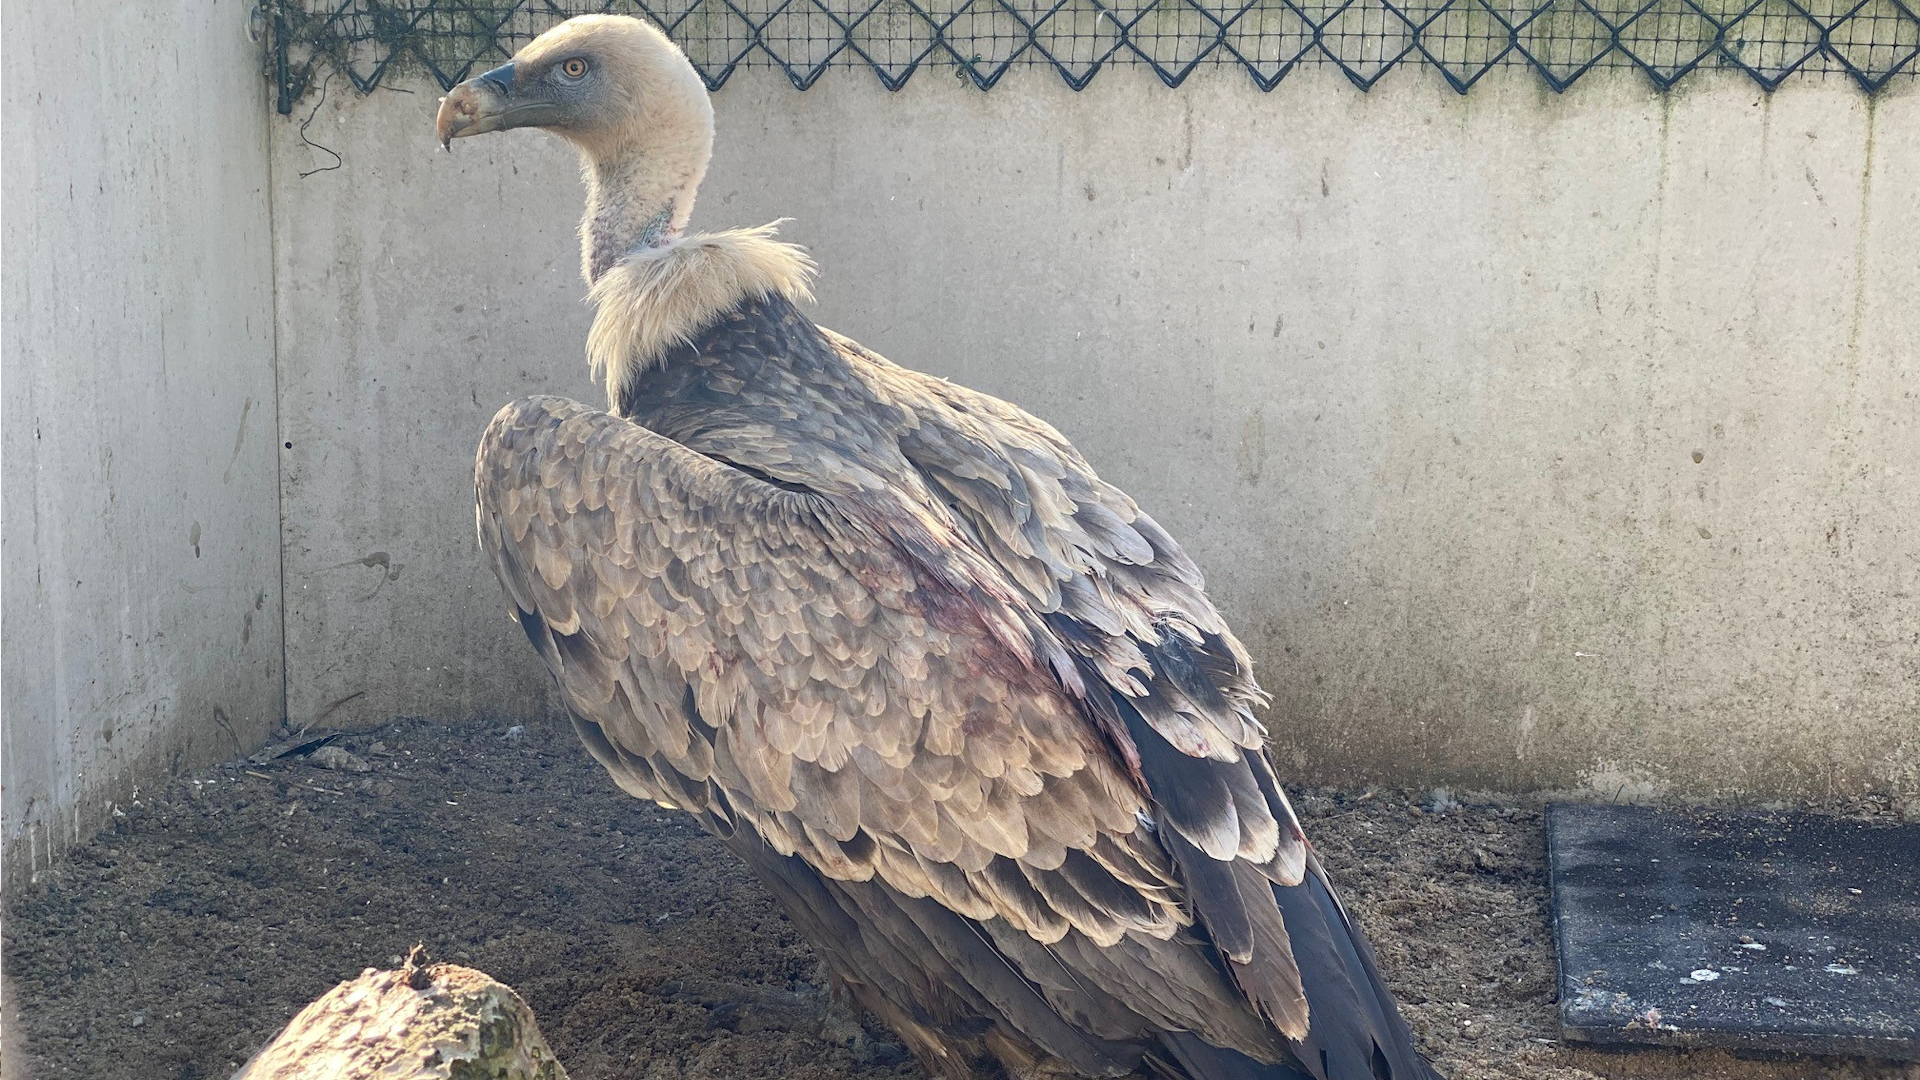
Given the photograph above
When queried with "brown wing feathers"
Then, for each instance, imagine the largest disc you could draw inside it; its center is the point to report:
(1152, 653)
(1001, 723)
(899, 751)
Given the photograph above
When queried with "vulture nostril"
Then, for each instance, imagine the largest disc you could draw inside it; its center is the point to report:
(501, 78)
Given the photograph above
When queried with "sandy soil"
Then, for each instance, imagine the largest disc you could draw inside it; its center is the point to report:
(175, 945)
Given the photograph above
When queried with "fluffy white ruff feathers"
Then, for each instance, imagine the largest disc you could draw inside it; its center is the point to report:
(655, 299)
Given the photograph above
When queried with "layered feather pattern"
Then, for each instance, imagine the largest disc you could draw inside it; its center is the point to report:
(964, 705)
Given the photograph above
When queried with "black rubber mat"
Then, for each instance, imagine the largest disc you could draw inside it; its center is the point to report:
(1754, 931)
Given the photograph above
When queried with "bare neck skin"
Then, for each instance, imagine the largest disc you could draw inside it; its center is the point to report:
(637, 198)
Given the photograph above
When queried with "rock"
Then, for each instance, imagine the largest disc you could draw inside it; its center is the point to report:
(333, 757)
(439, 1022)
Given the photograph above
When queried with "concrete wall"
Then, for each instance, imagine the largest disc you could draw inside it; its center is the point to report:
(1531, 441)
(142, 596)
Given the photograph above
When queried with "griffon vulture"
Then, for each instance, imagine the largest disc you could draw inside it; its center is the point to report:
(964, 707)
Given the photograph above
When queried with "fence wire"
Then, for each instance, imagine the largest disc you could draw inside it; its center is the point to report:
(1870, 41)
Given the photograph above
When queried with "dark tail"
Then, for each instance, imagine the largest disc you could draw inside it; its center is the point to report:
(1354, 1030)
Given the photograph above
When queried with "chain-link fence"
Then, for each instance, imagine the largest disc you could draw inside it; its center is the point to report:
(1869, 41)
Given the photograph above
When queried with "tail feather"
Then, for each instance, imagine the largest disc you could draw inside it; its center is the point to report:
(1187, 1057)
(1354, 1030)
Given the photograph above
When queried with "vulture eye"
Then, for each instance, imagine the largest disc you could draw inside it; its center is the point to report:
(574, 68)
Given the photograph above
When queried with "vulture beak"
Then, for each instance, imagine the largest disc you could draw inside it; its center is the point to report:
(487, 103)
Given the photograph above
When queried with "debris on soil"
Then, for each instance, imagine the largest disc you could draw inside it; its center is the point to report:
(294, 747)
(177, 944)
(333, 757)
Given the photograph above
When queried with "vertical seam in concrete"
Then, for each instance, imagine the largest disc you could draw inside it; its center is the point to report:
(1861, 230)
(279, 450)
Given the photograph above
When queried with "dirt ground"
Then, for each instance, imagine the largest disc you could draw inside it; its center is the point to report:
(172, 947)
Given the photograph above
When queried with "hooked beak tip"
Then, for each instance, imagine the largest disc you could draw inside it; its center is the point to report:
(464, 112)
(475, 107)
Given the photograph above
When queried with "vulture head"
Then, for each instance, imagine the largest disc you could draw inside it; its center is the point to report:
(628, 99)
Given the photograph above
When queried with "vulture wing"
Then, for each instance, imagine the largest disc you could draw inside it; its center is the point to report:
(772, 662)
(1154, 658)
(1006, 736)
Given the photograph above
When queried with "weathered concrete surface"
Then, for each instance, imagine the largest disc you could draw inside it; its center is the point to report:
(142, 603)
(1532, 441)
(418, 293)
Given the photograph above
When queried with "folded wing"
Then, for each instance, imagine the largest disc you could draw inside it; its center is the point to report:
(1152, 657)
(1077, 779)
